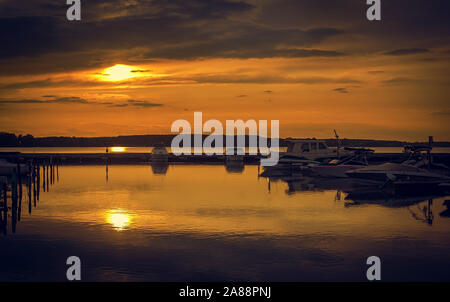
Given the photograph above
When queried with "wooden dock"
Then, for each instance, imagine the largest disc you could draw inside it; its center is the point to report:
(140, 158)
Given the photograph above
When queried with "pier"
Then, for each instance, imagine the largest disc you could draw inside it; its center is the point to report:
(51, 159)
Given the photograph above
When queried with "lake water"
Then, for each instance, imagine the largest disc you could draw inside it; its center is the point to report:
(213, 223)
(149, 149)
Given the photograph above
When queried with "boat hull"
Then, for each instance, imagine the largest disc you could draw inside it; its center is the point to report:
(334, 171)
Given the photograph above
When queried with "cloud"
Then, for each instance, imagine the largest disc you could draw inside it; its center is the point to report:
(144, 30)
(55, 100)
(398, 81)
(61, 100)
(242, 96)
(406, 51)
(375, 71)
(142, 70)
(143, 104)
(78, 100)
(250, 79)
(445, 113)
(268, 91)
(341, 90)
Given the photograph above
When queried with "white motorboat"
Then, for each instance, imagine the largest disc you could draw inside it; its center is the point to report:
(313, 149)
(398, 174)
(339, 167)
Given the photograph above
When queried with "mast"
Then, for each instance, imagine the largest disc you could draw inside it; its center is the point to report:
(338, 143)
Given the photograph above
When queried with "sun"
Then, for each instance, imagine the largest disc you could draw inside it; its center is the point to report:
(119, 72)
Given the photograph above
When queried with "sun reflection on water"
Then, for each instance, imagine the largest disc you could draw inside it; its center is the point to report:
(119, 219)
(118, 149)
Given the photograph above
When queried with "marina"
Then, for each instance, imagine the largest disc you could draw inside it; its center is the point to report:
(321, 216)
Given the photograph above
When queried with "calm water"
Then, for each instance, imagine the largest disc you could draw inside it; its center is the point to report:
(149, 149)
(204, 223)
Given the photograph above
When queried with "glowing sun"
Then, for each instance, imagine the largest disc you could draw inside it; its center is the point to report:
(119, 72)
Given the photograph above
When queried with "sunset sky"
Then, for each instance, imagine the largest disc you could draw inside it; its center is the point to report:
(135, 66)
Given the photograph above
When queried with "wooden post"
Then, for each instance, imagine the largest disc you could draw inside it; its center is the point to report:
(43, 176)
(430, 144)
(1, 215)
(5, 208)
(51, 172)
(34, 186)
(19, 209)
(48, 185)
(19, 175)
(14, 197)
(29, 188)
(38, 180)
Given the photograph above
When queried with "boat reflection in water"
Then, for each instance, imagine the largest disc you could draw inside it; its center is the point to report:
(364, 197)
(159, 168)
(446, 212)
(358, 193)
(234, 166)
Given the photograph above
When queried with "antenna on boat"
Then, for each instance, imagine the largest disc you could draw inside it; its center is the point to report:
(338, 143)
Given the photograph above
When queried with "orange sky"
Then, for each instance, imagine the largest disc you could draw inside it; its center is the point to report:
(313, 75)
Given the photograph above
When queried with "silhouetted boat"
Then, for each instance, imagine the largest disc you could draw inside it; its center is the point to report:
(400, 177)
(312, 149)
(396, 173)
(160, 154)
(339, 167)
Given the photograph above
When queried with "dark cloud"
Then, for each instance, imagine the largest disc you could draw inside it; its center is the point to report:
(404, 24)
(237, 50)
(56, 100)
(49, 83)
(78, 100)
(143, 104)
(142, 70)
(445, 113)
(406, 51)
(398, 81)
(268, 91)
(242, 96)
(62, 100)
(35, 37)
(113, 30)
(375, 71)
(267, 79)
(119, 105)
(341, 90)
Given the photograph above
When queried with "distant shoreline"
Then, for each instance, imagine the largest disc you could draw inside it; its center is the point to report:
(11, 140)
